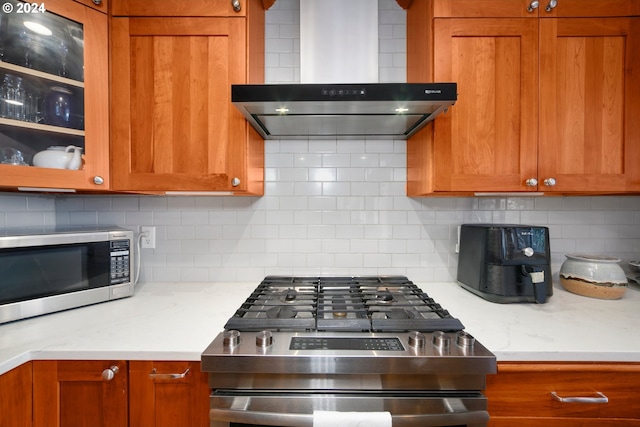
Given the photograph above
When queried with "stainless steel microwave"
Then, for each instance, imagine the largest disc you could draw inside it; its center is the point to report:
(53, 269)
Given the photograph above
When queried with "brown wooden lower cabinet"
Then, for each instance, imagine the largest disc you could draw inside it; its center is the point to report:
(82, 393)
(168, 394)
(15, 397)
(520, 394)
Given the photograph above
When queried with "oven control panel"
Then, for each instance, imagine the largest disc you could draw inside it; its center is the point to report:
(333, 343)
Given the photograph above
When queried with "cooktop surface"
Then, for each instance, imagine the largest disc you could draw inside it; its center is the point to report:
(354, 304)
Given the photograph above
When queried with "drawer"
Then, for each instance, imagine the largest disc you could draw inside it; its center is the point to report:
(561, 422)
(525, 390)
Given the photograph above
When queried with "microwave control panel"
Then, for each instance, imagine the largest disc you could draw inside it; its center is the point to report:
(120, 261)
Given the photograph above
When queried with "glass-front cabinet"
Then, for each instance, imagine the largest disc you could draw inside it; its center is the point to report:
(54, 124)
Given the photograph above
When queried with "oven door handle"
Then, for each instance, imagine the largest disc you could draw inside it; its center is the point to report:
(306, 420)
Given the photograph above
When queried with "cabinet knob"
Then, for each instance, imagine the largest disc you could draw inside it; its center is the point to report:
(236, 5)
(531, 182)
(533, 6)
(97, 2)
(98, 180)
(109, 373)
(235, 182)
(550, 182)
(552, 4)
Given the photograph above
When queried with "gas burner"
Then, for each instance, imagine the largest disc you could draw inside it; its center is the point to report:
(339, 307)
(289, 295)
(280, 312)
(384, 297)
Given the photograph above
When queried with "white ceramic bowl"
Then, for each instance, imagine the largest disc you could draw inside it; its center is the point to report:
(595, 276)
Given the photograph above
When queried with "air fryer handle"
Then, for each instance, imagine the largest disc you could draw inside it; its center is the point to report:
(540, 292)
(538, 285)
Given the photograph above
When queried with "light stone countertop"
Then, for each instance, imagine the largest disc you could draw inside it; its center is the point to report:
(177, 321)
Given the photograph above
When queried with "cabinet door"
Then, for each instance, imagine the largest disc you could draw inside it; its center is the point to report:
(171, 394)
(80, 393)
(589, 108)
(174, 127)
(521, 394)
(488, 140)
(15, 397)
(66, 96)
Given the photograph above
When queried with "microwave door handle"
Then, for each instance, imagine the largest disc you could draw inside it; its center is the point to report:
(244, 416)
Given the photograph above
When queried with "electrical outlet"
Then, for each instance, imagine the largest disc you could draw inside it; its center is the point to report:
(148, 237)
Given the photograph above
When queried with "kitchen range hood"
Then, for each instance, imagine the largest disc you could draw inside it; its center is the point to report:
(340, 95)
(342, 111)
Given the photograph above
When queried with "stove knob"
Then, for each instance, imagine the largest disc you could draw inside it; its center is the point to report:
(264, 339)
(416, 339)
(440, 339)
(231, 338)
(464, 339)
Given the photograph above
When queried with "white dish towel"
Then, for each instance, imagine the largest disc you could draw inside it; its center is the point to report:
(351, 419)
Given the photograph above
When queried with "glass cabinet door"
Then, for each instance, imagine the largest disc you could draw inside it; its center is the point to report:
(43, 63)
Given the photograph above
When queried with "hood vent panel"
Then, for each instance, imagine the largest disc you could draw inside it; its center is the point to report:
(342, 111)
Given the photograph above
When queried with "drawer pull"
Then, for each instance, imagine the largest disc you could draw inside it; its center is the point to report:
(601, 399)
(154, 375)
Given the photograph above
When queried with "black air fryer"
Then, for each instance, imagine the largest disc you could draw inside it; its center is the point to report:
(505, 262)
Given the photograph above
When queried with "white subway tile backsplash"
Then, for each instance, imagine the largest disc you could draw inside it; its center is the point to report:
(111, 217)
(336, 188)
(308, 189)
(308, 159)
(322, 174)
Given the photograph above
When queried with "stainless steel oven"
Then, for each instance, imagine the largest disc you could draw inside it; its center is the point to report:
(363, 344)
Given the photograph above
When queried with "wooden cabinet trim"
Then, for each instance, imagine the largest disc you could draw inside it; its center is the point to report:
(546, 367)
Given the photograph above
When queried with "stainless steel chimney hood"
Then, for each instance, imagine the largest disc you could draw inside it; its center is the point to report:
(342, 111)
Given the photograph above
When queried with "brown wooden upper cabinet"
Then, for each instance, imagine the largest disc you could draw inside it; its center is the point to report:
(173, 125)
(547, 96)
(54, 76)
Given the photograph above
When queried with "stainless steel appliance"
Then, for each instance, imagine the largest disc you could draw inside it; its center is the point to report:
(345, 111)
(505, 263)
(56, 268)
(364, 344)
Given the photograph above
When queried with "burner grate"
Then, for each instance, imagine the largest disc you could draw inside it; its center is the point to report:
(367, 303)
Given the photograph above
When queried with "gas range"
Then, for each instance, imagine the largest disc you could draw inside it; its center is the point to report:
(374, 343)
(355, 304)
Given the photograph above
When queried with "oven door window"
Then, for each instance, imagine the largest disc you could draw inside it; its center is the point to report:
(35, 272)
